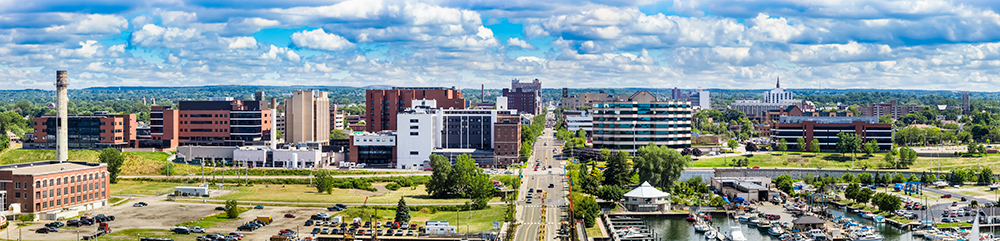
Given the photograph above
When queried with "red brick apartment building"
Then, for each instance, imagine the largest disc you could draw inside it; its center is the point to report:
(383, 105)
(95, 132)
(224, 122)
(507, 140)
(51, 189)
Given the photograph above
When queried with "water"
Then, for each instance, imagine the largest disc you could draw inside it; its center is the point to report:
(679, 229)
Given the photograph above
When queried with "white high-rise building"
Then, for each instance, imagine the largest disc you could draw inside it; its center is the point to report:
(778, 95)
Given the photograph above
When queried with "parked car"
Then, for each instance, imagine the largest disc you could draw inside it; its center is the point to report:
(181, 231)
(236, 235)
(43, 230)
(289, 215)
(196, 229)
(220, 208)
(258, 207)
(140, 204)
(954, 203)
(946, 196)
(309, 222)
(409, 233)
(325, 231)
(55, 225)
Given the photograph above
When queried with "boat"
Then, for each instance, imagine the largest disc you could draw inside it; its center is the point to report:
(879, 219)
(711, 235)
(691, 218)
(868, 215)
(743, 218)
(752, 221)
(867, 236)
(776, 230)
(735, 234)
(817, 234)
(701, 227)
(764, 225)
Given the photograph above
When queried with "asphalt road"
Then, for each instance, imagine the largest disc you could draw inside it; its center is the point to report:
(231, 177)
(552, 200)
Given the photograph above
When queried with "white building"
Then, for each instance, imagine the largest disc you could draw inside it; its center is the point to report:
(584, 121)
(700, 99)
(294, 157)
(778, 95)
(646, 198)
(438, 227)
(418, 134)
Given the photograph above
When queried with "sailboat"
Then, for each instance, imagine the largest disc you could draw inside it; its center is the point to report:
(735, 234)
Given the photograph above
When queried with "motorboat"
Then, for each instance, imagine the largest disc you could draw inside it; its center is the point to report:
(752, 221)
(743, 218)
(868, 215)
(776, 230)
(817, 234)
(764, 225)
(691, 218)
(878, 219)
(711, 235)
(701, 227)
(735, 234)
(867, 236)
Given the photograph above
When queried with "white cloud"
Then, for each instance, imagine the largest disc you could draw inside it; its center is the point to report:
(319, 39)
(242, 43)
(516, 42)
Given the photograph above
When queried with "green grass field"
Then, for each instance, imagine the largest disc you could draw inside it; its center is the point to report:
(131, 234)
(15, 156)
(304, 193)
(219, 217)
(836, 160)
(125, 188)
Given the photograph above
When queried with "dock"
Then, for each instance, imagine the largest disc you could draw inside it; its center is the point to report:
(626, 228)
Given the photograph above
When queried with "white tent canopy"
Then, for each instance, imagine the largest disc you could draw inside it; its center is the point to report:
(647, 191)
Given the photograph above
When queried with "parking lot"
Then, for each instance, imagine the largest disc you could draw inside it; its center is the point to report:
(154, 216)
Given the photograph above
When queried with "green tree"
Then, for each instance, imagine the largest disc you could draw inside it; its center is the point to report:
(114, 159)
(660, 165)
(618, 170)
(232, 209)
(852, 191)
(985, 176)
(585, 208)
(871, 147)
(324, 181)
(611, 193)
(891, 160)
(782, 146)
(907, 157)
(439, 184)
(848, 178)
(732, 144)
(885, 119)
(802, 144)
(814, 146)
(4, 139)
(865, 178)
(338, 135)
(848, 142)
(402, 211)
(864, 195)
(887, 202)
(588, 182)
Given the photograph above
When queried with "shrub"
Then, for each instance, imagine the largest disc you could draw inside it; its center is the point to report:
(392, 186)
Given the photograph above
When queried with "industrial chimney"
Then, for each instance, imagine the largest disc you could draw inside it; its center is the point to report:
(62, 102)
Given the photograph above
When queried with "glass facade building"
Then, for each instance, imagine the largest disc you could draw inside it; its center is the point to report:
(632, 124)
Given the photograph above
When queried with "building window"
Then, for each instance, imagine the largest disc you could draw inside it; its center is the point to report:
(414, 127)
(17, 185)
(414, 153)
(45, 204)
(58, 192)
(414, 133)
(51, 192)
(38, 195)
(17, 195)
(414, 120)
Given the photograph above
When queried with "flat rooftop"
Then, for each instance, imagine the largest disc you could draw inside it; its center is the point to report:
(44, 167)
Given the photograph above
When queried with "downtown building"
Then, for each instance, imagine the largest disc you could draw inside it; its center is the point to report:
(307, 117)
(826, 128)
(220, 121)
(574, 102)
(892, 108)
(98, 131)
(524, 97)
(54, 190)
(775, 99)
(383, 105)
(626, 125)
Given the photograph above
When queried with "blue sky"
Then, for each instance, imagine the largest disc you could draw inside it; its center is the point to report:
(904, 44)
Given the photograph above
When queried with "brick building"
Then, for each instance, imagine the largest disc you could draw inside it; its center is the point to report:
(53, 189)
(892, 108)
(217, 122)
(383, 105)
(825, 129)
(506, 140)
(525, 97)
(95, 132)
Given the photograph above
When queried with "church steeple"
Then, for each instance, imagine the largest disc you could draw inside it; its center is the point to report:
(778, 86)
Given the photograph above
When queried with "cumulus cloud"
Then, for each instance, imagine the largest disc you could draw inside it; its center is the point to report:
(319, 39)
(518, 43)
(242, 43)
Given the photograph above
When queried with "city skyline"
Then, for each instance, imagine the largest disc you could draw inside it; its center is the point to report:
(922, 45)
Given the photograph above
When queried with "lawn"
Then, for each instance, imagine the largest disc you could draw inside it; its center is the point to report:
(219, 217)
(594, 232)
(153, 163)
(125, 188)
(131, 234)
(304, 193)
(15, 156)
(836, 160)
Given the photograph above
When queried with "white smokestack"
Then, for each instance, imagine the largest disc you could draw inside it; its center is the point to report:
(62, 115)
(274, 127)
(295, 160)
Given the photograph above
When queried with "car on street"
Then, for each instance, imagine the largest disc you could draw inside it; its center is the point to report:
(538, 191)
(181, 231)
(552, 185)
(531, 190)
(140, 204)
(43, 230)
(946, 196)
(528, 201)
(220, 208)
(954, 203)
(963, 199)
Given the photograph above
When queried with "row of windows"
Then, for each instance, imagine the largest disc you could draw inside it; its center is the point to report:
(641, 139)
(639, 112)
(641, 119)
(70, 190)
(68, 180)
(626, 147)
(630, 105)
(204, 115)
(204, 130)
(641, 132)
(641, 125)
(71, 200)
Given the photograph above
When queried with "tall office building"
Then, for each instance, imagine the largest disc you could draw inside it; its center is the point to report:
(626, 125)
(220, 121)
(525, 97)
(966, 105)
(307, 117)
(701, 99)
(98, 131)
(383, 105)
